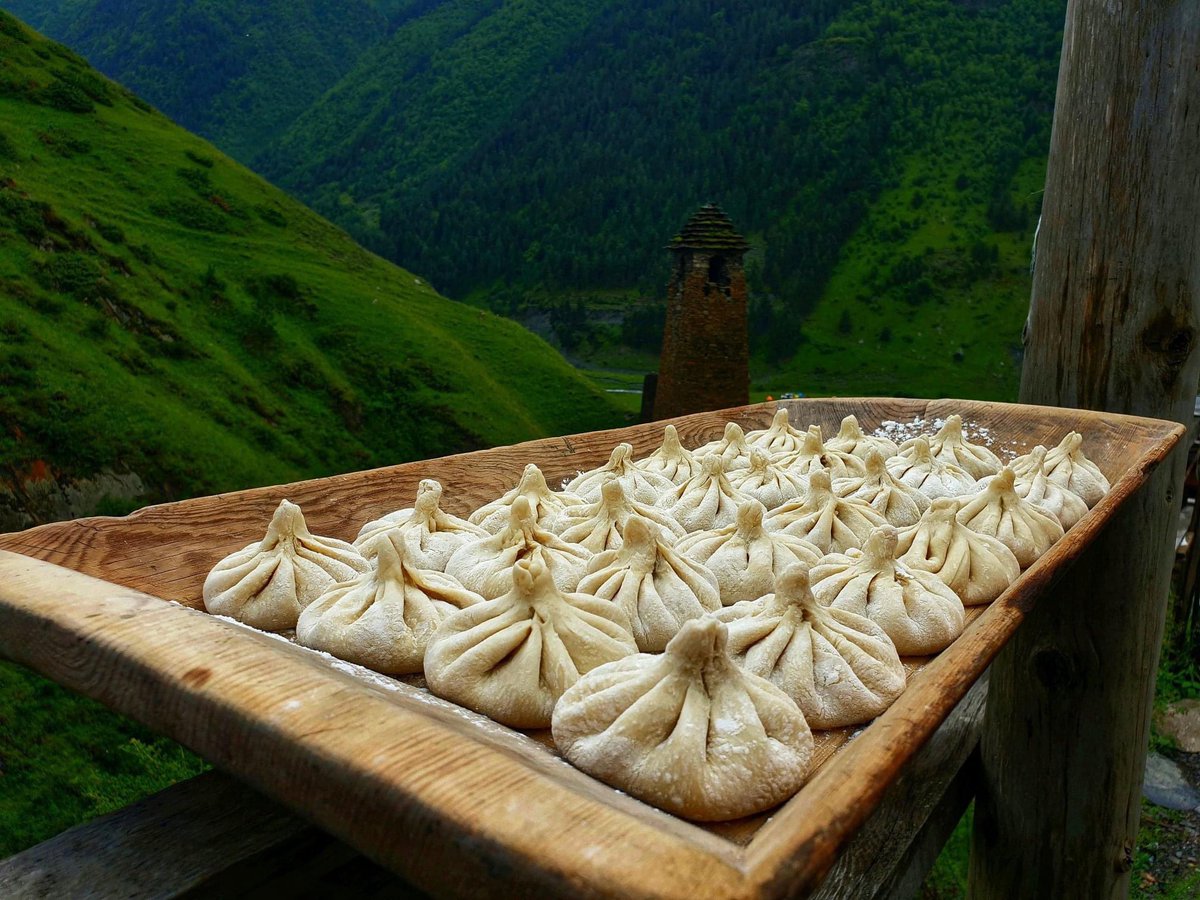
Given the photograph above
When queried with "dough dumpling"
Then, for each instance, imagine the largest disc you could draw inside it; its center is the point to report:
(1065, 505)
(914, 608)
(485, 566)
(1068, 467)
(655, 586)
(267, 583)
(815, 456)
(745, 557)
(545, 503)
(950, 445)
(899, 503)
(599, 526)
(687, 730)
(640, 485)
(781, 439)
(672, 460)
(429, 534)
(851, 439)
(384, 618)
(916, 466)
(769, 484)
(976, 567)
(839, 667)
(705, 501)
(831, 523)
(731, 448)
(999, 512)
(511, 658)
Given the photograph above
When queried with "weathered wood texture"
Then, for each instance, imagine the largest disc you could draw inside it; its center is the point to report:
(207, 837)
(1113, 325)
(459, 805)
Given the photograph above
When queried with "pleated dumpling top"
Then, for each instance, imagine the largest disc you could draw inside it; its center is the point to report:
(837, 665)
(639, 484)
(769, 484)
(975, 566)
(657, 587)
(915, 609)
(672, 460)
(745, 557)
(916, 466)
(780, 439)
(814, 455)
(1036, 487)
(687, 730)
(950, 445)
(1068, 466)
(267, 583)
(485, 566)
(705, 501)
(543, 502)
(383, 619)
(511, 658)
(999, 512)
(429, 534)
(600, 526)
(899, 503)
(851, 439)
(731, 447)
(833, 524)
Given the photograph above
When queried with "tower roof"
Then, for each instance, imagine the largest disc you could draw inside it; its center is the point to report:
(709, 229)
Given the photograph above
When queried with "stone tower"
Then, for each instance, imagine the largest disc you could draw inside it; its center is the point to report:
(705, 362)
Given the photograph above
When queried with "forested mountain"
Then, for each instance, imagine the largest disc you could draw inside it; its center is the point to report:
(237, 73)
(883, 156)
(171, 324)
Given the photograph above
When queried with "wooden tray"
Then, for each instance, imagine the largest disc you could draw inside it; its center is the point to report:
(455, 803)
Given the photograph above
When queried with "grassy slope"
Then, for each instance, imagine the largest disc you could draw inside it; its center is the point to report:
(257, 346)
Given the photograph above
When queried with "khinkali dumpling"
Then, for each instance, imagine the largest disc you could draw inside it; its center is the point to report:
(429, 534)
(1067, 466)
(383, 619)
(672, 460)
(816, 456)
(999, 512)
(687, 730)
(830, 522)
(839, 667)
(950, 445)
(599, 526)
(851, 439)
(658, 588)
(780, 439)
(545, 503)
(640, 485)
(485, 565)
(769, 484)
(899, 503)
(1065, 505)
(268, 582)
(916, 465)
(914, 608)
(731, 447)
(745, 557)
(705, 501)
(511, 658)
(978, 568)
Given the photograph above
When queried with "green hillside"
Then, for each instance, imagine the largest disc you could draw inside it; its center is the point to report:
(168, 313)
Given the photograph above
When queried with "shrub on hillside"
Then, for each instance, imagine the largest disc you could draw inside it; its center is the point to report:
(68, 273)
(67, 97)
(193, 214)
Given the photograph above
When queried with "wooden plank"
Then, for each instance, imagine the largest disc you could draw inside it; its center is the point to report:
(455, 803)
(208, 836)
(1114, 324)
(899, 842)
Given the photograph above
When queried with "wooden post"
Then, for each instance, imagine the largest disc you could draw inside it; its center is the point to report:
(1113, 325)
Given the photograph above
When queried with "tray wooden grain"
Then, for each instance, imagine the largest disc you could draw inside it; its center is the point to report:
(456, 804)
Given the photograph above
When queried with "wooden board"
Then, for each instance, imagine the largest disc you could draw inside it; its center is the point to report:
(457, 804)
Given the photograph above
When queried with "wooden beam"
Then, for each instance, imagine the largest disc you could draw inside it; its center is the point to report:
(209, 836)
(1113, 325)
